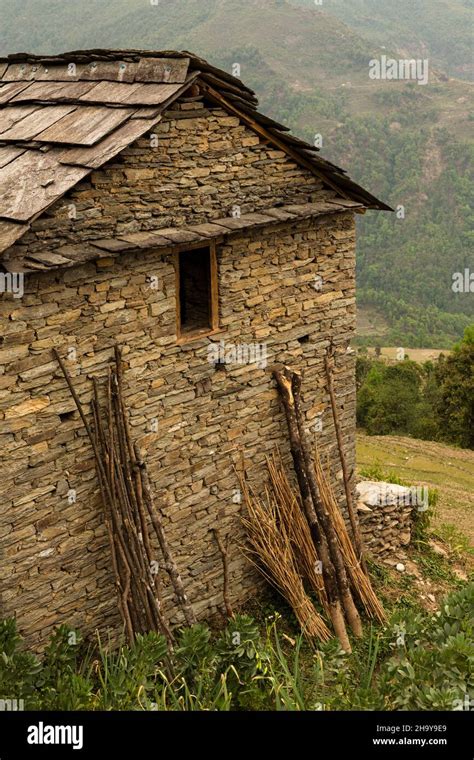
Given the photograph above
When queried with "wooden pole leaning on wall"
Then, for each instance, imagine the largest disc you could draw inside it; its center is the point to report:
(284, 382)
(128, 508)
(122, 566)
(353, 518)
(323, 515)
(170, 562)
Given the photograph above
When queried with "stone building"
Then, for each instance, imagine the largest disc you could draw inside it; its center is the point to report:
(144, 201)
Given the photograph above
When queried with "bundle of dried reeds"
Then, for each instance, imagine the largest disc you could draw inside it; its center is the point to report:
(343, 570)
(270, 549)
(291, 517)
(351, 511)
(341, 604)
(360, 581)
(129, 511)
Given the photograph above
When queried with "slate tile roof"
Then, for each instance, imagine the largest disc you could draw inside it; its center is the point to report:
(63, 116)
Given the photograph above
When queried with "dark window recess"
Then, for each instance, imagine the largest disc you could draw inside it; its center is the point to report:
(195, 290)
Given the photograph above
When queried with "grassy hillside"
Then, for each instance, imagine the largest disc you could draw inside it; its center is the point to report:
(447, 469)
(309, 65)
(438, 29)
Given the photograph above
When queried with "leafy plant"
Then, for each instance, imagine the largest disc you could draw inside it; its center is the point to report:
(126, 676)
(18, 670)
(417, 661)
(432, 401)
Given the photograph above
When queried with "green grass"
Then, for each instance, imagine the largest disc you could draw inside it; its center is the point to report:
(457, 542)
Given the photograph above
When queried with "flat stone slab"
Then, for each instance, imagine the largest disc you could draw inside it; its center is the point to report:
(374, 493)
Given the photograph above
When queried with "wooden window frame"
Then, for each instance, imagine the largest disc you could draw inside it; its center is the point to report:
(187, 336)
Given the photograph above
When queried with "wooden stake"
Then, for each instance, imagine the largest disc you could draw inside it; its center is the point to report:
(329, 575)
(124, 512)
(322, 513)
(223, 548)
(157, 522)
(347, 487)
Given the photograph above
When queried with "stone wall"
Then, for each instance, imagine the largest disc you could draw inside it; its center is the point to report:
(197, 165)
(192, 420)
(386, 517)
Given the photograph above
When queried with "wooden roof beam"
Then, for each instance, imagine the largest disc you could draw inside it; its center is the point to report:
(272, 138)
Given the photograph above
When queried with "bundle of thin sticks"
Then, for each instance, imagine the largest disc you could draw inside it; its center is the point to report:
(270, 549)
(129, 511)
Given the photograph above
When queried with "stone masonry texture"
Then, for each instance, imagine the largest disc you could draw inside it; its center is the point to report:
(289, 286)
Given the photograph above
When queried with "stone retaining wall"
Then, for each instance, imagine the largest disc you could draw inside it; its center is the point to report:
(386, 517)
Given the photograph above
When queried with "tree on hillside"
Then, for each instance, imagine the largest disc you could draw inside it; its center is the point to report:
(389, 398)
(455, 403)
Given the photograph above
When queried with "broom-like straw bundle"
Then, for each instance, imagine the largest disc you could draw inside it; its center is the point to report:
(291, 517)
(270, 543)
(344, 573)
(360, 581)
